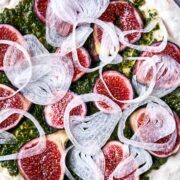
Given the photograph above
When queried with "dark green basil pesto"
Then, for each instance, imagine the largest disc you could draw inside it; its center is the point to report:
(24, 19)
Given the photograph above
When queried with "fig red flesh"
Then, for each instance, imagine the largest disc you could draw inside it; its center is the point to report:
(17, 101)
(119, 86)
(8, 32)
(124, 15)
(40, 7)
(84, 60)
(54, 114)
(47, 165)
(136, 121)
(114, 153)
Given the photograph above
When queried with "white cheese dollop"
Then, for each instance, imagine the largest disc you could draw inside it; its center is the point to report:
(169, 11)
(10, 4)
(168, 171)
(4, 175)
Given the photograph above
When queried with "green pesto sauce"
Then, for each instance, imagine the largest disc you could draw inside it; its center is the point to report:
(24, 19)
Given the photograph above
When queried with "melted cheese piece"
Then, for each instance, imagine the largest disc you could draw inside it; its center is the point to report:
(169, 11)
(4, 175)
(10, 4)
(168, 171)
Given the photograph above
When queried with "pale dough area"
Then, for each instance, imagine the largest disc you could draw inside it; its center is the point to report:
(169, 12)
(10, 4)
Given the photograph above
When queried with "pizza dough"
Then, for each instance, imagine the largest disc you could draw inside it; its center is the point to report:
(169, 171)
(169, 11)
(10, 4)
(4, 175)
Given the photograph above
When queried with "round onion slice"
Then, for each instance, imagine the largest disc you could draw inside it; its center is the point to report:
(51, 73)
(143, 159)
(92, 132)
(81, 29)
(144, 92)
(9, 65)
(73, 10)
(154, 122)
(85, 166)
(137, 161)
(51, 79)
(4, 114)
(167, 78)
(149, 28)
(109, 46)
(54, 37)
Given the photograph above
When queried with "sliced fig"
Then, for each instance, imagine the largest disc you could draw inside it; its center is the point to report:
(84, 60)
(8, 32)
(137, 120)
(114, 152)
(119, 86)
(18, 101)
(47, 165)
(54, 114)
(125, 16)
(40, 8)
(172, 51)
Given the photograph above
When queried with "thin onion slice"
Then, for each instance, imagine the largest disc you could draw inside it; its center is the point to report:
(51, 73)
(142, 158)
(151, 146)
(85, 166)
(110, 41)
(51, 79)
(92, 132)
(167, 78)
(73, 10)
(149, 28)
(161, 125)
(34, 46)
(37, 149)
(144, 92)
(137, 162)
(9, 66)
(53, 36)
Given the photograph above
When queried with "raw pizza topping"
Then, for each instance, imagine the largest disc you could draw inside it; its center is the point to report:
(104, 102)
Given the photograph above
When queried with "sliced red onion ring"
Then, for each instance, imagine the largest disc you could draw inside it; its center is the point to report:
(9, 66)
(4, 114)
(67, 172)
(110, 41)
(144, 91)
(86, 166)
(135, 141)
(56, 39)
(7, 138)
(82, 33)
(71, 11)
(92, 132)
(143, 160)
(34, 46)
(160, 124)
(51, 73)
(149, 28)
(168, 76)
(135, 161)
(79, 14)
(51, 79)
